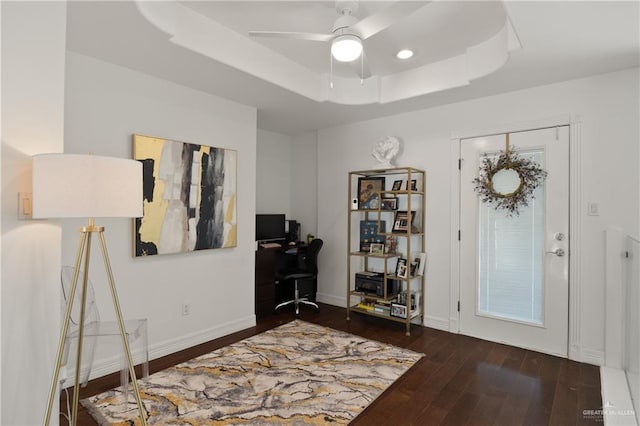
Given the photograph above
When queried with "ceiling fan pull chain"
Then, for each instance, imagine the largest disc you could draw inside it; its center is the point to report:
(362, 69)
(331, 70)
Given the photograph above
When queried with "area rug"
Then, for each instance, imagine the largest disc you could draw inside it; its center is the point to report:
(298, 373)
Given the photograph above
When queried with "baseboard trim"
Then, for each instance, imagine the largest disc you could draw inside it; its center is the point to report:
(588, 356)
(330, 299)
(575, 353)
(617, 406)
(454, 326)
(592, 356)
(436, 322)
(102, 367)
(175, 345)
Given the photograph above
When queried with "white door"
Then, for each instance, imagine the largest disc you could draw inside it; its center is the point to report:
(514, 271)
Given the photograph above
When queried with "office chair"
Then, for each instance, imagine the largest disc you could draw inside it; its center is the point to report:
(307, 269)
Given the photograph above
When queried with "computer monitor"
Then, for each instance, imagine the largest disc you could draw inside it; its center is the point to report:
(270, 227)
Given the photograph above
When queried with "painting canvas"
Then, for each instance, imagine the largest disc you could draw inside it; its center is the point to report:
(189, 197)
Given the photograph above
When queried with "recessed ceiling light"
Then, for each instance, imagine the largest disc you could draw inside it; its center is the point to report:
(404, 54)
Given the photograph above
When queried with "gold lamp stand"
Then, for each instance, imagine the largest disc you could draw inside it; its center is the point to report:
(84, 250)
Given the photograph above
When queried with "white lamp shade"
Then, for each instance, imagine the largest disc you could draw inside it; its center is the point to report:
(90, 186)
(346, 48)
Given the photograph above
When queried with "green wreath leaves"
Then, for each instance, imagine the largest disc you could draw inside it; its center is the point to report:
(530, 173)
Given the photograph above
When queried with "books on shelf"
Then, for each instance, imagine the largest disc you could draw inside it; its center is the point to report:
(381, 308)
(366, 306)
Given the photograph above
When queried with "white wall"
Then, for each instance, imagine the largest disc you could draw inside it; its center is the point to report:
(273, 173)
(304, 183)
(286, 177)
(607, 106)
(33, 51)
(105, 105)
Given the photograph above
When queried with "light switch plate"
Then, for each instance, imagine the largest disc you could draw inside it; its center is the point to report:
(24, 205)
(593, 209)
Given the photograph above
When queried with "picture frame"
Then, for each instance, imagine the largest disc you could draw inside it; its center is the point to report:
(417, 264)
(376, 249)
(370, 234)
(397, 310)
(402, 271)
(369, 192)
(397, 185)
(414, 185)
(401, 220)
(389, 203)
(401, 267)
(413, 269)
(421, 264)
(391, 244)
(414, 301)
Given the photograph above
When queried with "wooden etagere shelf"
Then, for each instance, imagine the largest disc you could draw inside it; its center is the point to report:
(379, 256)
(385, 209)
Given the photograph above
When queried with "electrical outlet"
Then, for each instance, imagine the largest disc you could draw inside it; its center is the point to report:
(186, 309)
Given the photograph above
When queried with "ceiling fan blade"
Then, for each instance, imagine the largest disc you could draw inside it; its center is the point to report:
(295, 35)
(388, 16)
(361, 68)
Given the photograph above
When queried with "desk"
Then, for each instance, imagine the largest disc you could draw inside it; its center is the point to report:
(269, 291)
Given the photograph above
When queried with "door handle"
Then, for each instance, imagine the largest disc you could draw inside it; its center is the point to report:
(558, 252)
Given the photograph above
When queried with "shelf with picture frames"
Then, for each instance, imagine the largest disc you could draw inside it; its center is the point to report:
(386, 244)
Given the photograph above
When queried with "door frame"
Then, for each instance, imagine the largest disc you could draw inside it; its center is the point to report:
(574, 349)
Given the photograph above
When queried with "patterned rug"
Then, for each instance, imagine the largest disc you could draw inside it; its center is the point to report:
(298, 373)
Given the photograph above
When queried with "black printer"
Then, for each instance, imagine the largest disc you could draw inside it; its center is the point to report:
(372, 283)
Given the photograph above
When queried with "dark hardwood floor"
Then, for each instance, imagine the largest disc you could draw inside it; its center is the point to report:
(460, 381)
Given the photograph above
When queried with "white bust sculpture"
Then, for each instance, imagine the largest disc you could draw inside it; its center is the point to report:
(385, 151)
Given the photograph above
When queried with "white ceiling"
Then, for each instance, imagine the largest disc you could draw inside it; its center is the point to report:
(439, 21)
(560, 41)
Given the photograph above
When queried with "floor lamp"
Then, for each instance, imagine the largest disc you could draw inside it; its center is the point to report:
(87, 186)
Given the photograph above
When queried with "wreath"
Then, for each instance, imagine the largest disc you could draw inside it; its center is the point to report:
(530, 173)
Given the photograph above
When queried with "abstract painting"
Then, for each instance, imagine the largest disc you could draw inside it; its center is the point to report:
(189, 196)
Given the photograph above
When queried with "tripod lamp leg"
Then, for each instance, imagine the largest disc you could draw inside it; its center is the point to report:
(65, 329)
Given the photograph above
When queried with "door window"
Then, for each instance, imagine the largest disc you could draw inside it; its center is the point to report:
(511, 254)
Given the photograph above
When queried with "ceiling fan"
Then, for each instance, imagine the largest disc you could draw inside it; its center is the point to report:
(348, 32)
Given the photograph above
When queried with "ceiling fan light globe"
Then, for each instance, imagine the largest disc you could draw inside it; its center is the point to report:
(346, 48)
